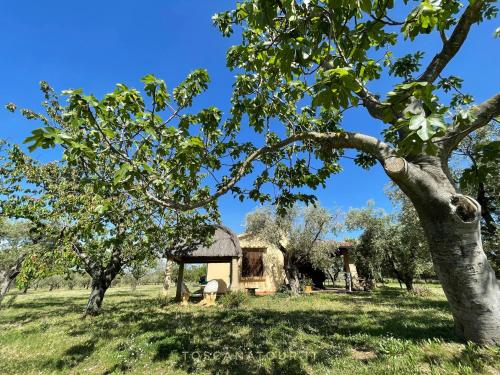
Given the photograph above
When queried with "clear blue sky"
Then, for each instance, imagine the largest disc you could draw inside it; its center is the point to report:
(96, 44)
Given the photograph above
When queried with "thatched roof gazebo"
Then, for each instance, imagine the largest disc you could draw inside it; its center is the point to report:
(225, 248)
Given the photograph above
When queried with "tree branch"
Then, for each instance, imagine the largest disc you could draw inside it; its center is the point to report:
(16, 268)
(335, 140)
(484, 113)
(453, 44)
(87, 262)
(371, 103)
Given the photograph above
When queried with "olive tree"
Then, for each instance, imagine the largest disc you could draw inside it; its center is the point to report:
(368, 254)
(390, 245)
(405, 247)
(300, 236)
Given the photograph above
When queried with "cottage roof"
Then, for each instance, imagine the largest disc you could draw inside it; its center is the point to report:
(225, 245)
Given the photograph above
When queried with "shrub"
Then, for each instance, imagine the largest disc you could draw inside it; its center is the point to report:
(283, 291)
(234, 299)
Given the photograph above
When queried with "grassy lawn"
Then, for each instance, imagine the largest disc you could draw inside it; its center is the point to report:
(381, 333)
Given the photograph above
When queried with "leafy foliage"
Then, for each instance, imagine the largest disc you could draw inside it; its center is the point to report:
(300, 234)
(392, 246)
(367, 255)
(234, 299)
(145, 156)
(301, 64)
(98, 230)
(15, 242)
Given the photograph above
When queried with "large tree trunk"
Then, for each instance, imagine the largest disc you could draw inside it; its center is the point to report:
(451, 222)
(408, 283)
(101, 281)
(292, 275)
(467, 278)
(291, 270)
(96, 297)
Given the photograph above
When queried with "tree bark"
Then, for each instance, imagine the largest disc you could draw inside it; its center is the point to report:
(291, 270)
(293, 279)
(332, 277)
(467, 278)
(409, 284)
(167, 281)
(5, 283)
(133, 284)
(7, 277)
(96, 297)
(451, 223)
(101, 281)
(397, 273)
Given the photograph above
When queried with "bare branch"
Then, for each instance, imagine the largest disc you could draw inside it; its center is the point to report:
(453, 44)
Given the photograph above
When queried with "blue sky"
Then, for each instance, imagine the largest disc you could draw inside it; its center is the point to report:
(96, 44)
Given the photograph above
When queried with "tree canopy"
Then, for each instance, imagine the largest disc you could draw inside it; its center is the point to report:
(300, 234)
(99, 230)
(300, 66)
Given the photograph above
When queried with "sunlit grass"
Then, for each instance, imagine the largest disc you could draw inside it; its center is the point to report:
(381, 333)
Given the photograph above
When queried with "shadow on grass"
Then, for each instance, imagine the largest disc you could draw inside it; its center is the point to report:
(238, 341)
(73, 356)
(280, 332)
(387, 296)
(8, 302)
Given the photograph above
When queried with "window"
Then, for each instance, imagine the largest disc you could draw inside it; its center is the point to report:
(252, 263)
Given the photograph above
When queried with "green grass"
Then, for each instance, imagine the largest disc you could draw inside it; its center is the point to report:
(386, 332)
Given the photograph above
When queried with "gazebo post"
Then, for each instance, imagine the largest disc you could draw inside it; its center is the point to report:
(234, 275)
(180, 280)
(347, 270)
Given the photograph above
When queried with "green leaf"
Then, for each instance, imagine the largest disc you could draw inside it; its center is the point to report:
(417, 122)
(436, 122)
(11, 107)
(426, 127)
(425, 133)
(121, 174)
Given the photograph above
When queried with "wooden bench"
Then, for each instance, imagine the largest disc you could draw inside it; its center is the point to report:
(251, 291)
